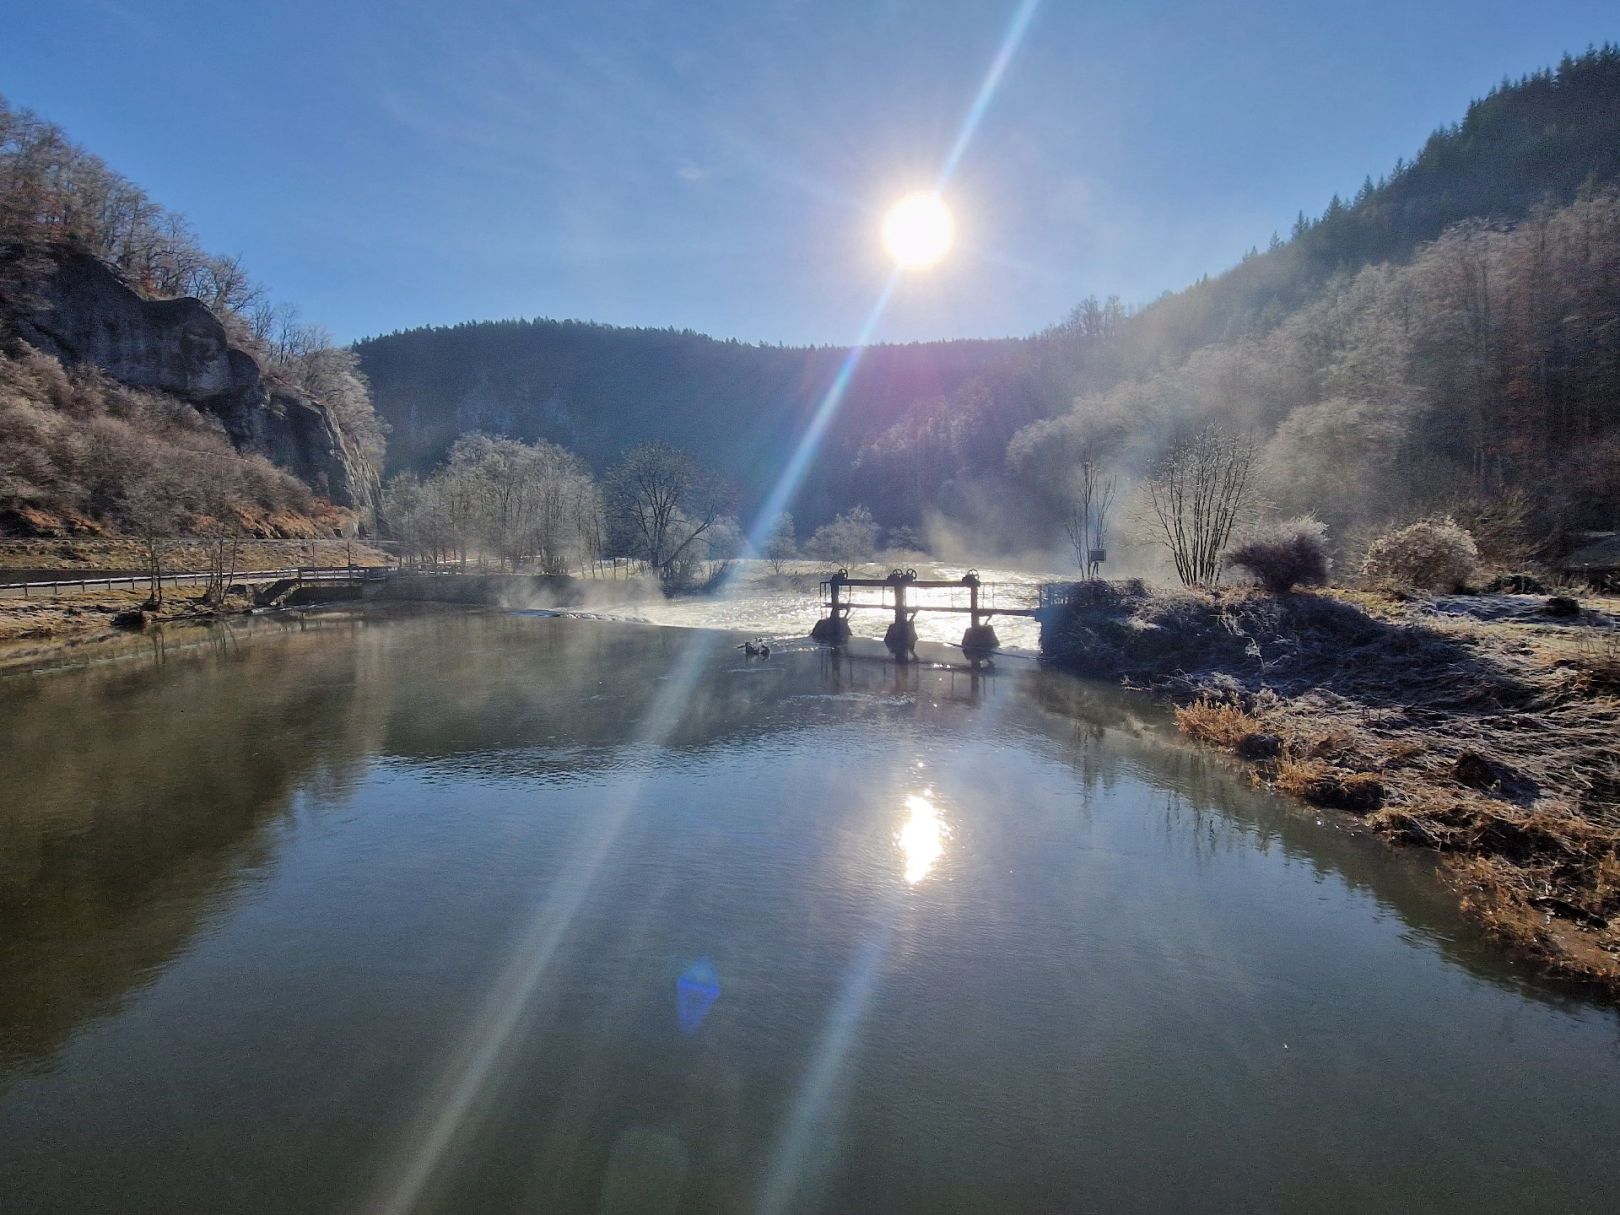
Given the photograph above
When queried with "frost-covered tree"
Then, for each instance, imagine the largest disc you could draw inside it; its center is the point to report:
(850, 538)
(782, 545)
(662, 502)
(1196, 494)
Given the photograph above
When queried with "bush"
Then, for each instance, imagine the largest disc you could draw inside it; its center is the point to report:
(1284, 555)
(1216, 723)
(1323, 784)
(1516, 584)
(849, 538)
(1430, 555)
(905, 539)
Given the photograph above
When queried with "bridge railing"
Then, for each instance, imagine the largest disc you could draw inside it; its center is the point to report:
(1057, 594)
(342, 573)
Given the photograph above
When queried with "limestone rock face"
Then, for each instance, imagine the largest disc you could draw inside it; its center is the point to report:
(177, 346)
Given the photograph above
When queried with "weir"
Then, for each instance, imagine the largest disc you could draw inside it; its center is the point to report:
(901, 637)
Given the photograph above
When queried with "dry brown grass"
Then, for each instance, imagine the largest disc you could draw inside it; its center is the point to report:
(1524, 907)
(35, 628)
(1325, 784)
(1598, 655)
(1217, 723)
(1496, 745)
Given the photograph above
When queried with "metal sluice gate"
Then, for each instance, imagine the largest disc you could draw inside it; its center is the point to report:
(839, 599)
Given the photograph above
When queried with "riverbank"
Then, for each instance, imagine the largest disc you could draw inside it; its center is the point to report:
(1480, 728)
(47, 627)
(42, 624)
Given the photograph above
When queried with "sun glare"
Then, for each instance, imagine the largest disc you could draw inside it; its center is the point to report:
(918, 230)
(921, 838)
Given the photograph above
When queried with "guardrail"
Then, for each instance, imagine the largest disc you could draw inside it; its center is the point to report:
(307, 573)
(340, 573)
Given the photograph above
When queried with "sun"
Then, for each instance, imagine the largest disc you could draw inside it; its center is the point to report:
(918, 231)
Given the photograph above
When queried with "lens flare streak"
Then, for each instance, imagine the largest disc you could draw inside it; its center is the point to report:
(469, 1075)
(792, 475)
(787, 484)
(1010, 42)
(816, 1102)
(471, 1071)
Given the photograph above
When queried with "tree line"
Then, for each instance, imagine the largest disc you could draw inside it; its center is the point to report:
(588, 386)
(1480, 380)
(1443, 343)
(535, 506)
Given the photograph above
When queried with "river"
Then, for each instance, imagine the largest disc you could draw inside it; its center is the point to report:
(506, 912)
(757, 604)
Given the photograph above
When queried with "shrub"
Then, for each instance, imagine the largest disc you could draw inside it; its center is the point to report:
(1517, 584)
(904, 539)
(1430, 555)
(1284, 555)
(849, 538)
(1216, 723)
(1323, 784)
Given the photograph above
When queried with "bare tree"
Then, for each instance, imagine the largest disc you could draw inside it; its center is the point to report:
(663, 502)
(287, 339)
(221, 529)
(561, 506)
(1201, 487)
(1086, 520)
(722, 545)
(590, 525)
(154, 506)
(781, 546)
(519, 503)
(402, 516)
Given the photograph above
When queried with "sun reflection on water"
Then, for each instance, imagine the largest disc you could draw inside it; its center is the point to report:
(922, 837)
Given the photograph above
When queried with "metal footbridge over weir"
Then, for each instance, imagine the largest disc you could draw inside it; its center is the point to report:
(898, 594)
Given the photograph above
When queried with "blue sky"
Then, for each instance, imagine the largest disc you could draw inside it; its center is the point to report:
(724, 166)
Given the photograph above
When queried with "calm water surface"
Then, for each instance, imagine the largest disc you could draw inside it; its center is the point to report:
(455, 912)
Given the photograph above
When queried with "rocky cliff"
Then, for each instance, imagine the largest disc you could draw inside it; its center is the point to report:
(89, 314)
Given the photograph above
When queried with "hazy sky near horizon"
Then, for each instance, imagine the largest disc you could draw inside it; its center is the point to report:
(725, 166)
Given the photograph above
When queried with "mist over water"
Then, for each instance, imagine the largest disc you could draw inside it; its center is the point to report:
(784, 608)
(837, 935)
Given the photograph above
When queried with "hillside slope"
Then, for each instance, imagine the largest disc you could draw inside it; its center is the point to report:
(1447, 340)
(928, 429)
(138, 371)
(599, 389)
(91, 317)
(1527, 143)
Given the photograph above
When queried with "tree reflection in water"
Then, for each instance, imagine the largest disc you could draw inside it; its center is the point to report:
(942, 933)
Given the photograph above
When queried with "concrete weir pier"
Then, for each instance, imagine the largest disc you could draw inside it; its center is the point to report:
(837, 597)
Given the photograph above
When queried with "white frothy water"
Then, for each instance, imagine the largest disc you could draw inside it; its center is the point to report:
(785, 607)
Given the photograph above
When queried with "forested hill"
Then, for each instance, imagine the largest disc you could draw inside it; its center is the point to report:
(1529, 142)
(1448, 339)
(599, 390)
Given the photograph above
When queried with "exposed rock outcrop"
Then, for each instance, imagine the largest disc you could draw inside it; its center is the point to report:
(91, 315)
